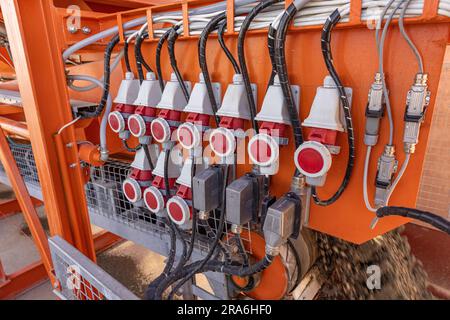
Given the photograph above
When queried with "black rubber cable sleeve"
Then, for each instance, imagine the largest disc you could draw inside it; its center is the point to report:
(424, 216)
(241, 56)
(227, 51)
(158, 58)
(106, 81)
(211, 26)
(173, 62)
(281, 68)
(332, 20)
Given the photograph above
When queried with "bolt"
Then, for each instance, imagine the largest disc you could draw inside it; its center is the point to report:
(73, 165)
(69, 145)
(86, 30)
(236, 229)
(72, 29)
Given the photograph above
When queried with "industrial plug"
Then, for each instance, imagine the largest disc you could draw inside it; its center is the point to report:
(374, 111)
(387, 167)
(416, 103)
(282, 221)
(244, 197)
(206, 189)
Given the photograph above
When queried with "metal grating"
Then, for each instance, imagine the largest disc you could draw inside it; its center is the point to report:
(23, 154)
(106, 199)
(81, 279)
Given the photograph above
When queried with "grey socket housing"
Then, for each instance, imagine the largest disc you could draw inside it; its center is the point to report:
(206, 189)
(240, 199)
(279, 224)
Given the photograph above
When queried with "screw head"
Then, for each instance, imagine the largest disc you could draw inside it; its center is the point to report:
(72, 29)
(86, 30)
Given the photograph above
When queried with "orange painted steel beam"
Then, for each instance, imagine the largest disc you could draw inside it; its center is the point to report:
(12, 206)
(14, 127)
(26, 204)
(36, 49)
(22, 280)
(104, 240)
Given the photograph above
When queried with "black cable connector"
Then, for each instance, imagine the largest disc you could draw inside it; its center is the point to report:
(332, 20)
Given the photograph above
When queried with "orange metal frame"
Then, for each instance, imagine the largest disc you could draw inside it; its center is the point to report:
(36, 49)
(13, 284)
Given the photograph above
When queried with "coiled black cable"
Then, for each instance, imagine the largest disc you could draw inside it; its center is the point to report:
(158, 57)
(424, 216)
(106, 82)
(241, 55)
(225, 49)
(272, 33)
(332, 20)
(173, 62)
(212, 25)
(281, 68)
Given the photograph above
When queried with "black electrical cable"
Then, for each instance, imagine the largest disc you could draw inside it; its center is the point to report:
(157, 289)
(173, 62)
(140, 61)
(126, 56)
(158, 57)
(217, 239)
(219, 266)
(148, 156)
(194, 211)
(106, 82)
(424, 216)
(271, 45)
(281, 68)
(211, 26)
(130, 149)
(227, 51)
(332, 20)
(241, 55)
(150, 291)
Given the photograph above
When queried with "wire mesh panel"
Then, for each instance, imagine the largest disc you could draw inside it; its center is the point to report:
(81, 279)
(105, 197)
(26, 164)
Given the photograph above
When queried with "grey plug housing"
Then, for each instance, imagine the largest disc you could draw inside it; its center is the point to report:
(279, 224)
(206, 189)
(244, 199)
